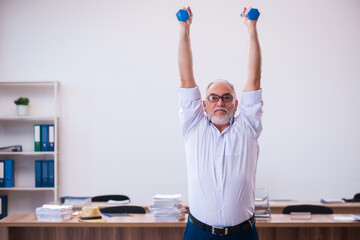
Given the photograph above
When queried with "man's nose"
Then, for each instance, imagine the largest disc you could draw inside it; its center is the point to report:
(220, 103)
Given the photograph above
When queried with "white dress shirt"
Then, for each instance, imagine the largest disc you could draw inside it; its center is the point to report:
(221, 166)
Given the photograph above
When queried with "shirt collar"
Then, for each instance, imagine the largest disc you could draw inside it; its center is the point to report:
(231, 122)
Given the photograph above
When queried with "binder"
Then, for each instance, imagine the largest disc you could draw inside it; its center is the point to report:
(44, 175)
(44, 138)
(38, 172)
(3, 206)
(51, 137)
(9, 174)
(37, 138)
(2, 173)
(51, 173)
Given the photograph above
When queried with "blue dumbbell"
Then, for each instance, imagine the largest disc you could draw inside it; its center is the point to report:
(182, 15)
(253, 14)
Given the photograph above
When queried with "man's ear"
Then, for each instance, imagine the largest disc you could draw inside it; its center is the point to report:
(236, 104)
(204, 105)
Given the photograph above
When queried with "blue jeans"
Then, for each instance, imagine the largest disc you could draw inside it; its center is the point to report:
(194, 233)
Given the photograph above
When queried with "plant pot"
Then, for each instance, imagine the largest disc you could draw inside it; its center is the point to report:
(22, 110)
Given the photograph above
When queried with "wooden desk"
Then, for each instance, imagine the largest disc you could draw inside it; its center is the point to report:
(348, 208)
(142, 226)
(276, 207)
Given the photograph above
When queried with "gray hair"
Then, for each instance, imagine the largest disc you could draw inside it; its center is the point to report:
(221, 81)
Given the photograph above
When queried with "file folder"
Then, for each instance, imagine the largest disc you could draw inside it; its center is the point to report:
(2, 173)
(44, 175)
(9, 174)
(51, 173)
(38, 172)
(51, 137)
(37, 138)
(44, 138)
(3, 206)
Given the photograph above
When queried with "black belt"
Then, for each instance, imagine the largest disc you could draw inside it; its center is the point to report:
(223, 231)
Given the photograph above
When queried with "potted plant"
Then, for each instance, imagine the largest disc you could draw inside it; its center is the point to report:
(22, 104)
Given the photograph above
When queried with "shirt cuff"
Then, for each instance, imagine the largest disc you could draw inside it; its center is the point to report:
(190, 94)
(251, 98)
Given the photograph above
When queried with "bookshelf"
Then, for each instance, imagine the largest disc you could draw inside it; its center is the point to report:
(44, 108)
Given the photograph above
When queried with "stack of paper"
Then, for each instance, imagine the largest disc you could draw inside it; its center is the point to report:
(76, 201)
(54, 213)
(262, 206)
(118, 201)
(331, 200)
(167, 208)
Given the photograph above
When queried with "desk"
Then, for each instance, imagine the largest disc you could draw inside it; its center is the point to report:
(143, 226)
(354, 208)
(275, 206)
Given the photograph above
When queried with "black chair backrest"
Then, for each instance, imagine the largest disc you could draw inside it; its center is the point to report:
(313, 209)
(355, 199)
(123, 209)
(105, 198)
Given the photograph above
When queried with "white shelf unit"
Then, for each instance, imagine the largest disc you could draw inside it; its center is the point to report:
(44, 108)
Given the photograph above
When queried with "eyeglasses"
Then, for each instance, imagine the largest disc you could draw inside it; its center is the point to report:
(225, 98)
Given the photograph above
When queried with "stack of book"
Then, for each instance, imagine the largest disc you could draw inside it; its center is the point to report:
(54, 213)
(262, 205)
(167, 208)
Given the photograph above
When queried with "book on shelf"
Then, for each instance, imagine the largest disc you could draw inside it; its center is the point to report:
(50, 173)
(51, 137)
(3, 206)
(44, 138)
(38, 173)
(2, 173)
(44, 173)
(9, 173)
(37, 138)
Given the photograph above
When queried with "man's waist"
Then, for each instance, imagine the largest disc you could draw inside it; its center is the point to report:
(227, 214)
(222, 231)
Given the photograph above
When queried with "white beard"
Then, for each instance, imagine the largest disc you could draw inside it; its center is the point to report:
(221, 120)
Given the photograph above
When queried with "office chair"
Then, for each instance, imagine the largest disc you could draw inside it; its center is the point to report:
(123, 209)
(313, 209)
(105, 198)
(355, 199)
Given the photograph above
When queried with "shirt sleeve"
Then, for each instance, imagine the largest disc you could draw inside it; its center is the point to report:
(191, 110)
(251, 112)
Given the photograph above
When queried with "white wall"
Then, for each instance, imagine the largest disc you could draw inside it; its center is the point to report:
(117, 64)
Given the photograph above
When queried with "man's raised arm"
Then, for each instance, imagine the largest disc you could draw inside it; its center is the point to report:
(254, 56)
(185, 54)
